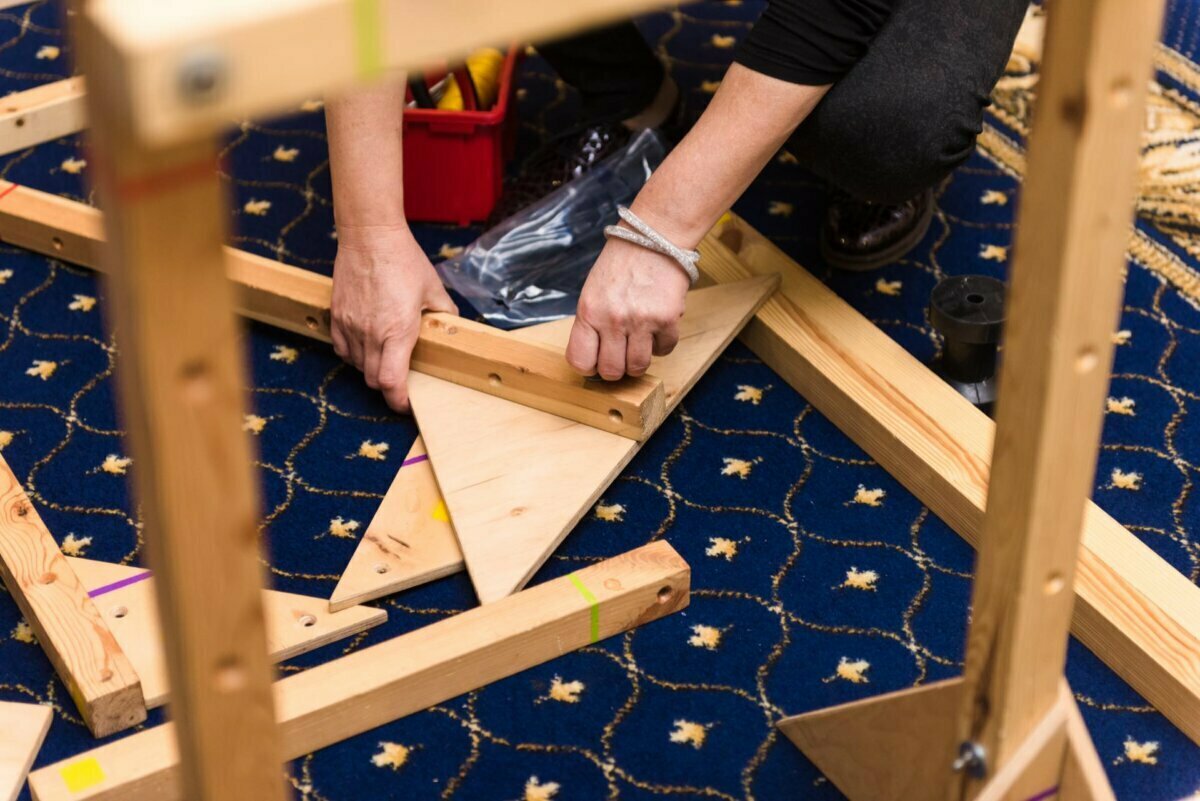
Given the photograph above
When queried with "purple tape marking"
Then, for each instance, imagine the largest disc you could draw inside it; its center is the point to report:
(1044, 794)
(414, 460)
(116, 585)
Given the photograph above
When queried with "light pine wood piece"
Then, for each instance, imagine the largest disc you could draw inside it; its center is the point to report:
(99, 677)
(516, 480)
(154, 45)
(23, 727)
(414, 671)
(41, 114)
(181, 379)
(1135, 611)
(125, 597)
(1064, 298)
(409, 541)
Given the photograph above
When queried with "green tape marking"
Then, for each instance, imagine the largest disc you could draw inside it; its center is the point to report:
(591, 599)
(368, 36)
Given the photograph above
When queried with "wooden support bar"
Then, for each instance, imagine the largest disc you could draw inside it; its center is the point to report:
(186, 69)
(1132, 609)
(452, 348)
(1064, 302)
(181, 392)
(69, 627)
(41, 114)
(414, 671)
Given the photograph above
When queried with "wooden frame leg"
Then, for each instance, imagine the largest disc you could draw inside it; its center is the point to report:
(181, 380)
(1010, 726)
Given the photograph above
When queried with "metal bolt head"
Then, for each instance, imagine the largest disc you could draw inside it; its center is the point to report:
(972, 759)
(201, 76)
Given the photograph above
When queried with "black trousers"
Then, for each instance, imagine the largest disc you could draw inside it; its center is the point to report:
(900, 121)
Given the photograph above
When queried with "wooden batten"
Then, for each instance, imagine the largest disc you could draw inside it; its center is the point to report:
(23, 727)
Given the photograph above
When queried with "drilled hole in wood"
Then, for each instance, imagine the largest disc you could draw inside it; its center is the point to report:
(494, 379)
(229, 675)
(1121, 92)
(57, 243)
(19, 122)
(308, 621)
(120, 612)
(195, 377)
(1054, 584)
(1086, 361)
(664, 594)
(381, 569)
(616, 416)
(312, 323)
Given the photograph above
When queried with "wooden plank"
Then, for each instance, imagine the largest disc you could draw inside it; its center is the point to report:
(367, 688)
(1135, 611)
(893, 747)
(1083, 776)
(449, 347)
(41, 114)
(187, 69)
(1064, 298)
(125, 597)
(99, 677)
(409, 541)
(515, 479)
(181, 378)
(23, 727)
(479, 357)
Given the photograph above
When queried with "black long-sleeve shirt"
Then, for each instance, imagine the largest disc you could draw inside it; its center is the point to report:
(812, 42)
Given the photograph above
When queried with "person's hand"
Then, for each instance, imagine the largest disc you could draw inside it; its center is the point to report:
(382, 281)
(629, 310)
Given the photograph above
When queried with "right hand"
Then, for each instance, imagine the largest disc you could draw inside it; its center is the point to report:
(382, 282)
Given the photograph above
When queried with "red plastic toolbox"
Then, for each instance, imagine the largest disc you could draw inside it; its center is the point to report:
(454, 160)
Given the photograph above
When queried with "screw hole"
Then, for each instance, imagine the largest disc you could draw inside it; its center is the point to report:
(975, 298)
(120, 612)
(494, 379)
(19, 122)
(229, 676)
(1054, 584)
(616, 416)
(308, 621)
(381, 568)
(665, 594)
(1086, 361)
(311, 322)
(57, 244)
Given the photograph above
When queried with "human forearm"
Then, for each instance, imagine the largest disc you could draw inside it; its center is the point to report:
(748, 120)
(366, 162)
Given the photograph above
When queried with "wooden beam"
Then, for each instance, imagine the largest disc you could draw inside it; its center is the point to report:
(1132, 609)
(41, 114)
(23, 727)
(1064, 302)
(181, 379)
(187, 69)
(99, 677)
(125, 596)
(414, 671)
(451, 348)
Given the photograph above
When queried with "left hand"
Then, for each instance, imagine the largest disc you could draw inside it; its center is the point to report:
(629, 310)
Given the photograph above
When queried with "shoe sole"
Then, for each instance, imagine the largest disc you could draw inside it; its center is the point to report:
(862, 264)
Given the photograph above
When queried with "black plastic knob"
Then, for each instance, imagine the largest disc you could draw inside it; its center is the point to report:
(968, 311)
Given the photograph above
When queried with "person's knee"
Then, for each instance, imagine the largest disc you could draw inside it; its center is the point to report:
(889, 148)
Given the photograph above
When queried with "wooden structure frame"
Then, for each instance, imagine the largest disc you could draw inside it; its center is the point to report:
(151, 117)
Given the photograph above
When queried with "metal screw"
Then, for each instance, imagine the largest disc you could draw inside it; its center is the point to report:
(972, 758)
(201, 75)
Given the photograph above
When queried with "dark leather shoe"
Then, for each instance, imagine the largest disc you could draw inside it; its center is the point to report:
(862, 236)
(553, 164)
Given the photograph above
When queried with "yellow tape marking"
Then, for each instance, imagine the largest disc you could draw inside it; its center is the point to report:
(82, 775)
(440, 512)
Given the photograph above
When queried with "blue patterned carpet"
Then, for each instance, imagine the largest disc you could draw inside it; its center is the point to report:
(817, 578)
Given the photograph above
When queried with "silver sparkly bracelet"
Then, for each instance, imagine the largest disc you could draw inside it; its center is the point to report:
(647, 237)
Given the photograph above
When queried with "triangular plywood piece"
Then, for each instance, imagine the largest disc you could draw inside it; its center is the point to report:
(894, 747)
(23, 727)
(296, 624)
(409, 541)
(515, 479)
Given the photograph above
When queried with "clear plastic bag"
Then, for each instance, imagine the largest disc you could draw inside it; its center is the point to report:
(531, 267)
